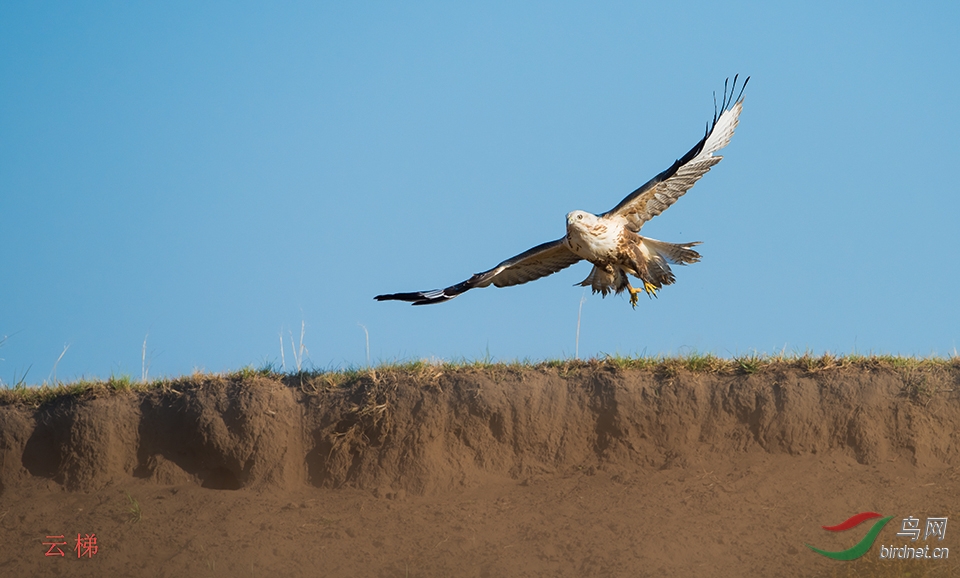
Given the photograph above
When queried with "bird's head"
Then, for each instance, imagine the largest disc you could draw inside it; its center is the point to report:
(580, 220)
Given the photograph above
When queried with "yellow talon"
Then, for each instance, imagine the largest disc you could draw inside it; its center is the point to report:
(649, 288)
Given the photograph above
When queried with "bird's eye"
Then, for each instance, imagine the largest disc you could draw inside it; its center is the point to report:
(579, 217)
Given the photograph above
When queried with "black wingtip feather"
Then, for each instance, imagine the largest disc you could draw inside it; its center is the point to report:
(727, 101)
(418, 297)
(742, 88)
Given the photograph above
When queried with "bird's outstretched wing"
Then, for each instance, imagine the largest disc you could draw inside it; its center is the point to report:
(537, 262)
(664, 189)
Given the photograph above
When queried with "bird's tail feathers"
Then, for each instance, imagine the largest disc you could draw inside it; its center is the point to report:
(653, 260)
(676, 253)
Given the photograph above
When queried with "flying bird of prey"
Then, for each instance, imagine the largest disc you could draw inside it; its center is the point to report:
(611, 241)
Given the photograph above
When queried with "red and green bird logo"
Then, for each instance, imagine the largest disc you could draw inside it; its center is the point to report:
(863, 545)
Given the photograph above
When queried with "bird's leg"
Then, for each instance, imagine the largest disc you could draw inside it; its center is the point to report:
(648, 288)
(633, 294)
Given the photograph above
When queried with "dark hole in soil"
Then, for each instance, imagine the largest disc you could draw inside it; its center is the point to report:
(221, 479)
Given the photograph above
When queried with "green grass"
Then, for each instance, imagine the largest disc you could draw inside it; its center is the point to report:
(45, 393)
(136, 514)
(916, 372)
(750, 363)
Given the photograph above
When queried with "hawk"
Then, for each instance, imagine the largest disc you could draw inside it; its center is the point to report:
(611, 241)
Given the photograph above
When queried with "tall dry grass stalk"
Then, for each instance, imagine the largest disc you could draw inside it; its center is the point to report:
(53, 372)
(298, 353)
(366, 335)
(576, 347)
(144, 368)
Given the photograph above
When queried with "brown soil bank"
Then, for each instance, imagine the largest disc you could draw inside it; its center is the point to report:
(586, 469)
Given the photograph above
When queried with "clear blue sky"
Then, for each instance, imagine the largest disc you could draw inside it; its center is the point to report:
(208, 175)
